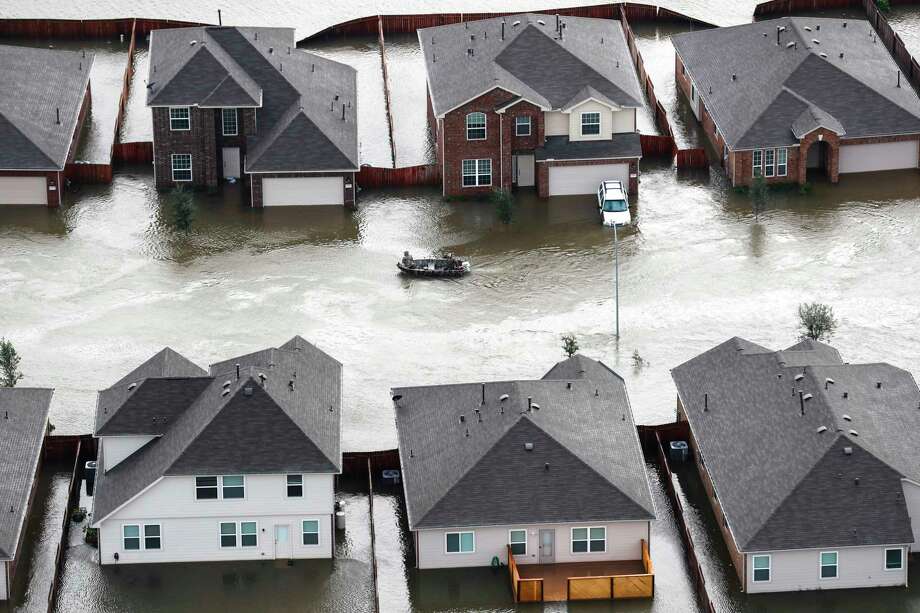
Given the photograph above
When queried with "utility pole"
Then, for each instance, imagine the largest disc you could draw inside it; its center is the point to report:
(616, 266)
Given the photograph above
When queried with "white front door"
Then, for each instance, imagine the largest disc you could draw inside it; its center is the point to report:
(283, 545)
(231, 157)
(524, 170)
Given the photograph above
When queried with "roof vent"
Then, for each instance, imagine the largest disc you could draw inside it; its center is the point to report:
(535, 406)
(291, 385)
(827, 382)
(516, 23)
(818, 27)
(847, 451)
(262, 378)
(841, 55)
(854, 433)
(807, 397)
(799, 377)
(546, 466)
(878, 385)
(271, 50)
(790, 44)
(568, 385)
(844, 24)
(132, 386)
(816, 41)
(822, 429)
(846, 395)
(227, 383)
(528, 446)
(503, 398)
(824, 55)
(463, 419)
(192, 43)
(808, 28)
(734, 77)
(247, 391)
(225, 392)
(543, 23)
(847, 417)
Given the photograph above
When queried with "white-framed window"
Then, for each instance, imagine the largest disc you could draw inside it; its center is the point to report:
(295, 486)
(757, 163)
(476, 126)
(230, 122)
(477, 173)
(762, 568)
(522, 125)
(518, 541)
(182, 166)
(131, 537)
(781, 165)
(827, 561)
(249, 534)
(590, 124)
(228, 534)
(589, 540)
(894, 558)
(205, 488)
(153, 536)
(769, 161)
(180, 119)
(460, 542)
(233, 486)
(310, 532)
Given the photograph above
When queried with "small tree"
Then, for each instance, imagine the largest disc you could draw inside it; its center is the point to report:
(504, 204)
(883, 5)
(758, 193)
(9, 364)
(569, 345)
(182, 206)
(816, 321)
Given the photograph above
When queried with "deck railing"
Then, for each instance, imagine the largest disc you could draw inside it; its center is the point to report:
(615, 586)
(524, 590)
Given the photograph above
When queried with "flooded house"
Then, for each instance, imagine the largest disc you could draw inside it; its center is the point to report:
(799, 97)
(532, 100)
(236, 462)
(809, 462)
(545, 476)
(23, 425)
(234, 103)
(44, 100)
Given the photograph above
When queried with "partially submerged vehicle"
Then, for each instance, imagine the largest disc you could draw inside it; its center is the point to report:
(613, 203)
(447, 265)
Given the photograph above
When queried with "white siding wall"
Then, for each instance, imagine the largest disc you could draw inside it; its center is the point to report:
(3, 571)
(190, 528)
(623, 543)
(912, 499)
(590, 107)
(624, 121)
(117, 448)
(556, 123)
(799, 570)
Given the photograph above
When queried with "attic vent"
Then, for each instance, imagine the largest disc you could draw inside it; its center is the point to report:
(227, 383)
(225, 392)
(543, 23)
(535, 406)
(132, 386)
(528, 446)
(847, 451)
(847, 417)
(854, 433)
(807, 28)
(516, 23)
(824, 55)
(192, 43)
(816, 41)
(503, 398)
(790, 44)
(807, 397)
(822, 429)
(799, 377)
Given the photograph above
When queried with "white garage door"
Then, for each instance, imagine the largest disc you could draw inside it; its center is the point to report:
(878, 156)
(577, 180)
(300, 191)
(23, 190)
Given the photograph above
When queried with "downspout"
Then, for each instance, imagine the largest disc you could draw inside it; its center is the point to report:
(501, 153)
(443, 160)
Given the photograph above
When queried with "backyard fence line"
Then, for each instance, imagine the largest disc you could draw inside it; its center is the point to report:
(386, 86)
(370, 503)
(88, 173)
(406, 176)
(85, 28)
(138, 152)
(692, 158)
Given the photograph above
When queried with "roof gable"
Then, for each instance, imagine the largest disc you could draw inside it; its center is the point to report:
(284, 149)
(153, 405)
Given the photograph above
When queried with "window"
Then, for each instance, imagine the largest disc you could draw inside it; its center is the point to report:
(518, 541)
(182, 167)
(828, 565)
(229, 121)
(476, 126)
(460, 542)
(228, 534)
(761, 569)
(780, 162)
(131, 537)
(205, 488)
(589, 540)
(249, 534)
(295, 486)
(590, 124)
(310, 532)
(179, 119)
(768, 160)
(477, 173)
(758, 163)
(233, 486)
(894, 559)
(152, 539)
(522, 125)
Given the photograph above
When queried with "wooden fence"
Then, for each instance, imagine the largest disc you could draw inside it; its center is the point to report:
(140, 152)
(524, 590)
(407, 176)
(386, 86)
(84, 28)
(87, 173)
(657, 146)
(615, 586)
(692, 158)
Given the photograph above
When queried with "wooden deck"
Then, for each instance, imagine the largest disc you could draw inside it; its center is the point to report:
(556, 576)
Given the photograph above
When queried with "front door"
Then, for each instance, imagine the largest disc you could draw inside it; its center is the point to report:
(524, 170)
(231, 157)
(547, 546)
(283, 550)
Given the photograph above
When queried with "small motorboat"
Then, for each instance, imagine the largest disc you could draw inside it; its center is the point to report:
(447, 265)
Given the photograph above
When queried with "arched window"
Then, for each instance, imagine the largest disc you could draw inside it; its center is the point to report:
(476, 126)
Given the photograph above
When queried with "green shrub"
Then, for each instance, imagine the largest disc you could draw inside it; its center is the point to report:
(91, 536)
(504, 204)
(182, 207)
(883, 5)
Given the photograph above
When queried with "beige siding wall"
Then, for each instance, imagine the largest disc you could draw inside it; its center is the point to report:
(4, 570)
(624, 121)
(590, 107)
(799, 570)
(557, 124)
(623, 543)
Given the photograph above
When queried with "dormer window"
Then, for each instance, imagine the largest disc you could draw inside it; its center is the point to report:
(180, 119)
(476, 126)
(522, 125)
(590, 124)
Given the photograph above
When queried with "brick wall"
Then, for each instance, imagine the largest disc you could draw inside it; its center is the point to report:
(741, 170)
(256, 184)
(543, 173)
(199, 141)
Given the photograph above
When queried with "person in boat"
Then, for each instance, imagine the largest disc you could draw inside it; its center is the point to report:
(407, 260)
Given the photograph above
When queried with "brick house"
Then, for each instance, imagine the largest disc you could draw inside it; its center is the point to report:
(44, 99)
(245, 103)
(532, 101)
(794, 97)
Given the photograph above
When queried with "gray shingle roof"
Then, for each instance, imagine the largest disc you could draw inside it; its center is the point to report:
(776, 84)
(300, 96)
(627, 145)
(34, 84)
(531, 61)
(23, 421)
(781, 482)
(298, 406)
(476, 473)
